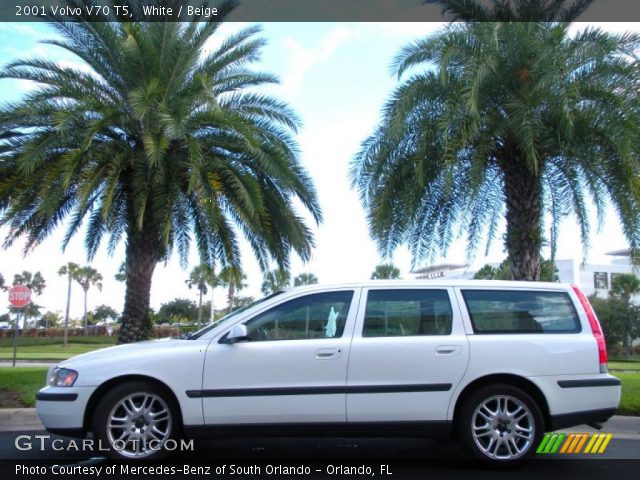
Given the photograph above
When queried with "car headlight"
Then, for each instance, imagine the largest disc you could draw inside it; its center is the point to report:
(62, 377)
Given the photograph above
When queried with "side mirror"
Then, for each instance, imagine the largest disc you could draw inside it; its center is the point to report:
(238, 333)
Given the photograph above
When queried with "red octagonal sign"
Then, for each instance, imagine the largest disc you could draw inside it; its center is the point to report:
(19, 296)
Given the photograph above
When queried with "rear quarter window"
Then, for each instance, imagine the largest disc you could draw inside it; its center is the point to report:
(521, 311)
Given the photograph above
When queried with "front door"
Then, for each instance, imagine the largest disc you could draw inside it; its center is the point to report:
(291, 370)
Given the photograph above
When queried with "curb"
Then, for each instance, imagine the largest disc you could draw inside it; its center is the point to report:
(11, 419)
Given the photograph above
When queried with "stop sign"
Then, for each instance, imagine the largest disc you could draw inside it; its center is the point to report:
(19, 296)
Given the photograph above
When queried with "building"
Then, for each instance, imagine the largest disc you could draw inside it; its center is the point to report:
(444, 270)
(590, 277)
(595, 278)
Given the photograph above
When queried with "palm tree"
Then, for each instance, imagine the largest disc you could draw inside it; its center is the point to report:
(163, 141)
(305, 279)
(86, 277)
(71, 271)
(386, 271)
(504, 120)
(512, 11)
(200, 277)
(233, 278)
(275, 280)
(34, 282)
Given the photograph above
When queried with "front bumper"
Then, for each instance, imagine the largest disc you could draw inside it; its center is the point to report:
(61, 409)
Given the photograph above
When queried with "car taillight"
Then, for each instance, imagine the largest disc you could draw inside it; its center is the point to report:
(595, 328)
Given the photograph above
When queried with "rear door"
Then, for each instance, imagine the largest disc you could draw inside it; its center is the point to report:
(408, 353)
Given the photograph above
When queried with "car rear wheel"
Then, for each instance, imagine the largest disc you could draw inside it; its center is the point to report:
(135, 420)
(500, 424)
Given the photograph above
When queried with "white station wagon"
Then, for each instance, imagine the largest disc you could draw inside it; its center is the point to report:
(493, 364)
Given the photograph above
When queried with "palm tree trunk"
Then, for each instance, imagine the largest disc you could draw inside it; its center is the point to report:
(200, 311)
(231, 296)
(211, 309)
(523, 198)
(140, 264)
(85, 331)
(66, 315)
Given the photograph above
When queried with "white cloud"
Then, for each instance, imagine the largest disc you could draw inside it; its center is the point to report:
(303, 58)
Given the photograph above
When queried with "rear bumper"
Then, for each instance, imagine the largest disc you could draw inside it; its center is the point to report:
(566, 420)
(577, 396)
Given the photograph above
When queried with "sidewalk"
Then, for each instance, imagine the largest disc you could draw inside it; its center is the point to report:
(35, 363)
(17, 419)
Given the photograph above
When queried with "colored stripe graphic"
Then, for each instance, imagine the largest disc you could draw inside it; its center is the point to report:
(581, 442)
(573, 442)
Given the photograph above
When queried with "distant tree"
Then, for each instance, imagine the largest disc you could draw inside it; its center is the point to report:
(36, 283)
(201, 277)
(243, 302)
(103, 313)
(275, 280)
(233, 278)
(27, 313)
(623, 287)
(50, 319)
(548, 272)
(71, 271)
(178, 310)
(121, 275)
(5, 318)
(88, 277)
(385, 271)
(3, 287)
(610, 312)
(305, 279)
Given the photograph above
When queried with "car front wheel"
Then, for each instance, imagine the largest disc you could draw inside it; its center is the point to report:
(135, 420)
(501, 424)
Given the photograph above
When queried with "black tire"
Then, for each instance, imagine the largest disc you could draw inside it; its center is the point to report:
(140, 393)
(501, 441)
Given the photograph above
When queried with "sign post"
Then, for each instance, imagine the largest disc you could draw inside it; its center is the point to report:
(19, 297)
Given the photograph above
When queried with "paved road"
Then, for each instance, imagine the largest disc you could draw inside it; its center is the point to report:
(407, 458)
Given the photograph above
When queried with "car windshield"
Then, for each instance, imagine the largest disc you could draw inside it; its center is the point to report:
(230, 316)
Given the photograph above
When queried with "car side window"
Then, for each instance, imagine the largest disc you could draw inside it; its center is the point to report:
(319, 315)
(396, 313)
(521, 311)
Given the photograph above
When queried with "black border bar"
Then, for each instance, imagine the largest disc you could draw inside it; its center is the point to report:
(276, 10)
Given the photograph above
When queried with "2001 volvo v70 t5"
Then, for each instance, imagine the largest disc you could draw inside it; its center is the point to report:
(494, 363)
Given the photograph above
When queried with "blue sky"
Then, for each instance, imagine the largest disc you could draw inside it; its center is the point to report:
(336, 77)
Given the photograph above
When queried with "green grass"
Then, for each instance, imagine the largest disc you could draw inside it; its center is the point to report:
(18, 386)
(48, 352)
(29, 341)
(630, 402)
(619, 366)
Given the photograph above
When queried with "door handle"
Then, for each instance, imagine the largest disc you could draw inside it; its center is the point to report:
(450, 350)
(328, 353)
